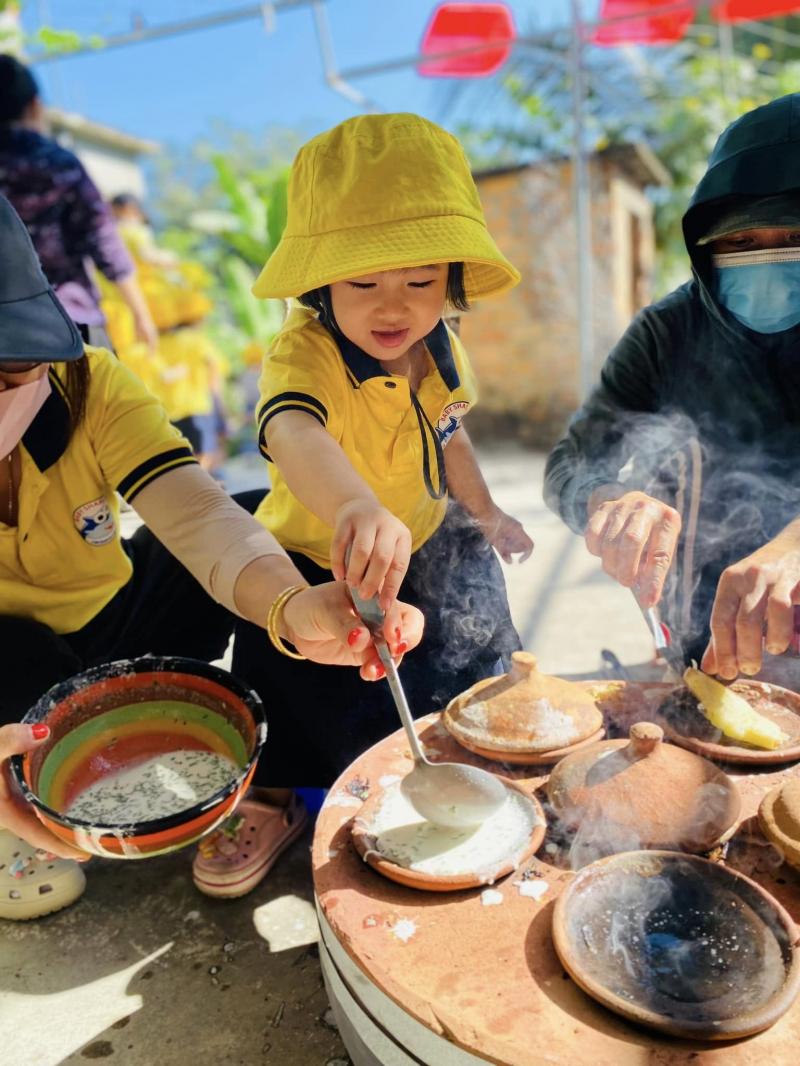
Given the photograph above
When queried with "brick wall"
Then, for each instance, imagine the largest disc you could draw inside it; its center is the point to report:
(524, 345)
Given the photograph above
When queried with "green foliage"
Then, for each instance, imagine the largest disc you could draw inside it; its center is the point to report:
(46, 40)
(259, 320)
(53, 40)
(224, 204)
(277, 197)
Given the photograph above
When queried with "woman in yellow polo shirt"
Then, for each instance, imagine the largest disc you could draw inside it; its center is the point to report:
(76, 428)
(362, 399)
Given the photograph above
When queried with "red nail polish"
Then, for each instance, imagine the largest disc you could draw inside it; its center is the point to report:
(397, 634)
(380, 671)
(401, 648)
(353, 637)
(40, 731)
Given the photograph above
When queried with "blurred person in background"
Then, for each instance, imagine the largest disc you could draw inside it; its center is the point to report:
(186, 374)
(135, 230)
(70, 224)
(187, 370)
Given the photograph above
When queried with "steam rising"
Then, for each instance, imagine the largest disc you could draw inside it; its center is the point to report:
(732, 477)
(582, 836)
(468, 625)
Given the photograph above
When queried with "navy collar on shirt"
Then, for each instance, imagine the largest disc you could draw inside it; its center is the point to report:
(363, 366)
(47, 437)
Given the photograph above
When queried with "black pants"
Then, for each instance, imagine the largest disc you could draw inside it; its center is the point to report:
(162, 610)
(188, 428)
(319, 718)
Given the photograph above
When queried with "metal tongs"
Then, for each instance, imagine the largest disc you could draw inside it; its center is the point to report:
(668, 648)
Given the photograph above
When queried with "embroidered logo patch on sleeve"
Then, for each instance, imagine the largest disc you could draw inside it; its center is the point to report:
(450, 419)
(95, 522)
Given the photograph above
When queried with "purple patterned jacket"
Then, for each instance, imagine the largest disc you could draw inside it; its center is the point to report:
(68, 221)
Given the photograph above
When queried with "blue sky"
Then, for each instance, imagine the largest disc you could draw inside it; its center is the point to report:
(170, 90)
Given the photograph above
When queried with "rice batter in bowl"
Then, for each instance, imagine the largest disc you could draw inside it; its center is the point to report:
(156, 788)
(144, 755)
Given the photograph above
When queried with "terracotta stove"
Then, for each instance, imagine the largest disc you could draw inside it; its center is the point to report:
(468, 977)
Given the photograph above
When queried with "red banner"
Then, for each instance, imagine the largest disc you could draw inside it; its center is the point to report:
(649, 27)
(456, 26)
(744, 10)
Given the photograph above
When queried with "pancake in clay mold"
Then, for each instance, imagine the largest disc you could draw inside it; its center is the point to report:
(401, 835)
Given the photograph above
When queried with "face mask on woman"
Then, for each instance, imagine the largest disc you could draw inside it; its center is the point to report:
(19, 405)
(760, 288)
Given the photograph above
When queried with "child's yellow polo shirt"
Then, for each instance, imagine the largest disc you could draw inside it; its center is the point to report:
(64, 561)
(386, 435)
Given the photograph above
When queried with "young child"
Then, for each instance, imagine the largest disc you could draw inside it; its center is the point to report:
(363, 394)
(135, 230)
(186, 370)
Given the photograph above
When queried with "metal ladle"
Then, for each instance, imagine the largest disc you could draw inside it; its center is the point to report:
(449, 794)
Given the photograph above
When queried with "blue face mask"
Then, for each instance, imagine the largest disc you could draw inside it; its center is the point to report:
(760, 288)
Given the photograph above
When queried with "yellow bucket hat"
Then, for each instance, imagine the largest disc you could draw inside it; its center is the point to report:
(382, 192)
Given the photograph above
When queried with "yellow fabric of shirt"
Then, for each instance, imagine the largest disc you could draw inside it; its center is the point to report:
(64, 561)
(370, 414)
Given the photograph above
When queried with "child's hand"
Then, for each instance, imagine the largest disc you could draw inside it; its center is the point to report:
(506, 536)
(380, 548)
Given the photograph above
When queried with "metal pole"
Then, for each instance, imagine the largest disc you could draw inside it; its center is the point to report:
(143, 34)
(332, 75)
(726, 72)
(582, 199)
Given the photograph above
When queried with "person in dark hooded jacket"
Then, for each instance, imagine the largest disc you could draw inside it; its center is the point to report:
(681, 469)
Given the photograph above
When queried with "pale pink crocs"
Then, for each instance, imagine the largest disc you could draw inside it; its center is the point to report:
(231, 861)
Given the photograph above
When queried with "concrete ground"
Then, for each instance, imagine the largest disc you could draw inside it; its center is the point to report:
(145, 971)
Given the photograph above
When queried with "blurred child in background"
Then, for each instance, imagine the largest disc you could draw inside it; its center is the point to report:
(134, 228)
(187, 370)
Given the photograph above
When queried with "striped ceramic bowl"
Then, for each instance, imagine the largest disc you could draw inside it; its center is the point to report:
(144, 755)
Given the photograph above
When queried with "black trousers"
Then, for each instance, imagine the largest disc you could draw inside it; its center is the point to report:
(162, 610)
(188, 428)
(319, 718)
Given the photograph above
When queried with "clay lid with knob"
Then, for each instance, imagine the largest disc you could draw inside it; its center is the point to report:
(660, 794)
(779, 817)
(523, 710)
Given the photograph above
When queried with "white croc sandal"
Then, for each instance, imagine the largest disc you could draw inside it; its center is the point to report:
(34, 883)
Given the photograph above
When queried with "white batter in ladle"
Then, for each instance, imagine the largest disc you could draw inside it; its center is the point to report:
(448, 793)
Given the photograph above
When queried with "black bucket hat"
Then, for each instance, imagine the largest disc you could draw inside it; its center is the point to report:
(765, 212)
(34, 327)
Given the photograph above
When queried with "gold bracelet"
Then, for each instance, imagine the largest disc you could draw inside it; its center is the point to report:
(273, 616)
